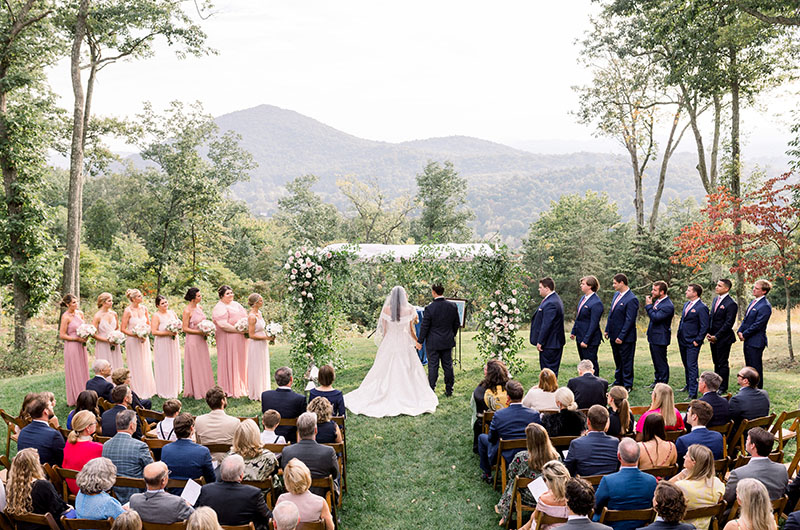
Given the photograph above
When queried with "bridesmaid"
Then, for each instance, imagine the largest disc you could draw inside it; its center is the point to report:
(166, 351)
(105, 320)
(76, 359)
(231, 344)
(140, 359)
(257, 350)
(198, 377)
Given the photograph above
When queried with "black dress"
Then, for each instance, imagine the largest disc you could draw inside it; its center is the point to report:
(614, 427)
(335, 398)
(564, 423)
(480, 407)
(326, 432)
(45, 499)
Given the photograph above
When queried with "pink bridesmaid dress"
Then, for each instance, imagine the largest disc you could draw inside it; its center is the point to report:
(167, 359)
(76, 362)
(231, 350)
(140, 361)
(198, 377)
(257, 363)
(102, 350)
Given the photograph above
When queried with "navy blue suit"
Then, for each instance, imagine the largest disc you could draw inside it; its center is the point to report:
(186, 459)
(46, 440)
(592, 454)
(754, 330)
(720, 405)
(440, 324)
(793, 521)
(103, 388)
(723, 316)
(627, 489)
(691, 333)
(587, 329)
(109, 422)
(711, 439)
(621, 324)
(659, 335)
(289, 404)
(547, 329)
(507, 424)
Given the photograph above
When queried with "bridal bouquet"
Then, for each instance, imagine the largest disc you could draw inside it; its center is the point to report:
(174, 327)
(85, 331)
(116, 338)
(207, 327)
(274, 329)
(141, 330)
(241, 325)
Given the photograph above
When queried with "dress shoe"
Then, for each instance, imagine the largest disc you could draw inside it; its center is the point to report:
(684, 389)
(486, 478)
(653, 385)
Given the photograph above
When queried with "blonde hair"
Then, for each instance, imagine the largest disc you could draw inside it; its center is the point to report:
(253, 299)
(247, 440)
(129, 520)
(102, 298)
(567, 399)
(703, 460)
(203, 518)
(556, 476)
(130, 294)
(25, 470)
(322, 408)
(664, 399)
(620, 397)
(540, 448)
(80, 421)
(297, 477)
(756, 508)
(548, 382)
(120, 375)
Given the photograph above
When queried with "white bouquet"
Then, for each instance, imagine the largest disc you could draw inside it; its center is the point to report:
(174, 327)
(116, 338)
(207, 327)
(141, 330)
(241, 325)
(85, 331)
(273, 330)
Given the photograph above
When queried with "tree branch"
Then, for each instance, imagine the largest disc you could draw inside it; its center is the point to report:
(776, 20)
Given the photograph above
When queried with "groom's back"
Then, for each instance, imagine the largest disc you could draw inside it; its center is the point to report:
(440, 324)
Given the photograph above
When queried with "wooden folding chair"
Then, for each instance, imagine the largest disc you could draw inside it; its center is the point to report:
(138, 483)
(338, 448)
(330, 495)
(218, 448)
(63, 474)
(339, 420)
(46, 520)
(86, 524)
(671, 436)
(721, 467)
(487, 421)
(663, 472)
(639, 410)
(315, 525)
(724, 429)
(148, 414)
(101, 439)
(266, 488)
(741, 460)
(737, 441)
(104, 404)
(501, 467)
(156, 443)
(715, 512)
(786, 434)
(645, 517)
(11, 423)
(5, 523)
(562, 442)
(543, 519)
(180, 525)
(254, 418)
(5, 462)
(683, 407)
(778, 506)
(275, 448)
(248, 526)
(594, 480)
(517, 506)
(794, 464)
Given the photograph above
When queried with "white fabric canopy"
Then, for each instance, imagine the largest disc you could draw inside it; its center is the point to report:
(458, 251)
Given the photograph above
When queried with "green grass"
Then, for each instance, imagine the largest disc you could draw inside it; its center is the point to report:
(420, 472)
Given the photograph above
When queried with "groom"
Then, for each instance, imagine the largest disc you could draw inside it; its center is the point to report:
(440, 324)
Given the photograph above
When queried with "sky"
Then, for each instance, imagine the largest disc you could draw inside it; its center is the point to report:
(395, 71)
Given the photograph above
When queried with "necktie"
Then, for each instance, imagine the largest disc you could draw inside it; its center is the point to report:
(580, 306)
(750, 307)
(688, 306)
(717, 304)
(619, 296)
(655, 305)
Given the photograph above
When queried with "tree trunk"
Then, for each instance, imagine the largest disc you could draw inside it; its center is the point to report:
(712, 177)
(788, 318)
(662, 174)
(691, 109)
(71, 275)
(735, 170)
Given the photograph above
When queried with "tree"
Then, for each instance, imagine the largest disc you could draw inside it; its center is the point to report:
(378, 218)
(766, 246)
(442, 193)
(775, 12)
(308, 218)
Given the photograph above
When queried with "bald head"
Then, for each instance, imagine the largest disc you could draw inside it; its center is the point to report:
(156, 475)
(628, 451)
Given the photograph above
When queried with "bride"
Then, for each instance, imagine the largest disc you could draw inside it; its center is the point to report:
(396, 383)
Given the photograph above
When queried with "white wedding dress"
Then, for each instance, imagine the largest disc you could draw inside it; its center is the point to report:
(396, 384)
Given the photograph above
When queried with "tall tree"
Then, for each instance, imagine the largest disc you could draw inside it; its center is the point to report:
(442, 193)
(379, 218)
(307, 216)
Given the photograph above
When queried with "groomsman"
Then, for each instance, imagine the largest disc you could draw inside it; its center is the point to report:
(691, 332)
(586, 329)
(720, 332)
(547, 328)
(660, 310)
(753, 329)
(621, 330)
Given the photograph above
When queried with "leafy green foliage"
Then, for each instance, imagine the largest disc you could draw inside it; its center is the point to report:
(442, 194)
(308, 218)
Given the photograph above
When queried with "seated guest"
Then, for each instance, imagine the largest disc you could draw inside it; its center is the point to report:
(51, 398)
(100, 382)
(595, 453)
(320, 459)
(29, 491)
(184, 458)
(568, 421)
(288, 403)
(588, 389)
(627, 489)
(87, 400)
(620, 417)
(270, 419)
(285, 516)
(216, 427)
(699, 482)
(311, 507)
(128, 520)
(670, 505)
(772, 474)
(507, 424)
(485, 396)
(324, 389)
(663, 401)
(165, 429)
(580, 503)
(122, 376)
(128, 454)
(235, 503)
(80, 447)
(698, 416)
(327, 430)
(94, 480)
(755, 509)
(203, 518)
(655, 450)
(750, 402)
(793, 521)
(543, 396)
(259, 463)
(39, 435)
(708, 385)
(23, 412)
(122, 396)
(553, 502)
(156, 505)
(527, 464)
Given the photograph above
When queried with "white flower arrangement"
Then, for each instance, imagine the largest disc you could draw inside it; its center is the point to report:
(241, 325)
(85, 331)
(273, 329)
(116, 338)
(141, 330)
(174, 326)
(206, 327)
(502, 319)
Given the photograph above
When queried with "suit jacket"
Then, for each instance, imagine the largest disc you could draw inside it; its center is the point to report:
(45, 439)
(103, 388)
(754, 326)
(722, 320)
(160, 507)
(215, 427)
(793, 521)
(663, 525)
(130, 456)
(589, 390)
(547, 327)
(720, 405)
(772, 474)
(320, 460)
(587, 321)
(440, 323)
(186, 459)
(659, 330)
(627, 489)
(236, 504)
(509, 424)
(109, 422)
(583, 524)
(592, 454)
(694, 324)
(621, 322)
(747, 404)
(289, 404)
(711, 439)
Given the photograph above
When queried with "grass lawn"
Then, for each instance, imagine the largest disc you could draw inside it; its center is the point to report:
(420, 472)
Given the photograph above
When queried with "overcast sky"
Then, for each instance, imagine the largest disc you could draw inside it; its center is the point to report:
(394, 71)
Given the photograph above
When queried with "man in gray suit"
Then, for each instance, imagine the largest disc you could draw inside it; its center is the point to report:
(772, 474)
(320, 459)
(156, 505)
(580, 503)
(129, 455)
